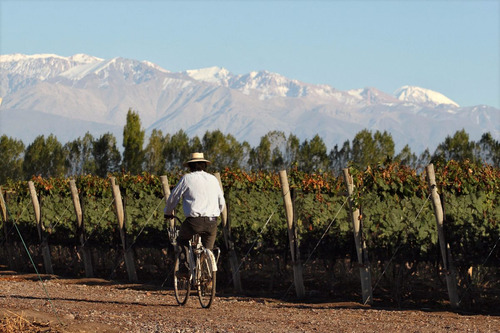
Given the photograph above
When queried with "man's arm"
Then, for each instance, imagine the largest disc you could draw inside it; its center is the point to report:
(174, 198)
(222, 201)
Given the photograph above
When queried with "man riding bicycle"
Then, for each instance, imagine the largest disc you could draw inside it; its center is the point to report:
(202, 202)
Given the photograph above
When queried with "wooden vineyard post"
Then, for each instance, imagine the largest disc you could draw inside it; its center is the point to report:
(449, 268)
(120, 215)
(3, 211)
(226, 231)
(361, 251)
(47, 262)
(166, 194)
(80, 231)
(3, 208)
(292, 236)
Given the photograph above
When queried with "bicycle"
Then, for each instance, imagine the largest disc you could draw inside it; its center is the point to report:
(202, 269)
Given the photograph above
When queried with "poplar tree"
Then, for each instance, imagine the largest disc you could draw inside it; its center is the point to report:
(133, 140)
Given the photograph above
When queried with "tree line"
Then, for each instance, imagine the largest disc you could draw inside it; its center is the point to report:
(47, 157)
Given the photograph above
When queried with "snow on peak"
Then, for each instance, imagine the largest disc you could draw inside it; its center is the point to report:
(77, 58)
(155, 66)
(24, 57)
(210, 74)
(84, 58)
(421, 95)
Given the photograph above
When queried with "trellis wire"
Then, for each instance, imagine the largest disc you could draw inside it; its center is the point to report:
(34, 266)
(253, 244)
(18, 218)
(98, 222)
(400, 244)
(463, 206)
(317, 244)
(135, 238)
(58, 218)
(484, 262)
(94, 229)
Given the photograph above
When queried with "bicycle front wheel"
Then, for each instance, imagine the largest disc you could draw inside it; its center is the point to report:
(182, 285)
(206, 281)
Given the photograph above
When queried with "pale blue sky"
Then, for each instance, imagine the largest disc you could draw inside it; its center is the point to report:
(452, 47)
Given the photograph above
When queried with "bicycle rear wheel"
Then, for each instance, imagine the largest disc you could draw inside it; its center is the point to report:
(206, 281)
(182, 285)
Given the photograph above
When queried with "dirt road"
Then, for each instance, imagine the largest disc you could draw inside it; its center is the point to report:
(95, 305)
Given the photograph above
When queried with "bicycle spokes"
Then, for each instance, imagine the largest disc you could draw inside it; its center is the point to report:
(206, 281)
(182, 285)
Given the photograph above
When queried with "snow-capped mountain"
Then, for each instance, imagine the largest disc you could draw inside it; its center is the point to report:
(422, 96)
(68, 96)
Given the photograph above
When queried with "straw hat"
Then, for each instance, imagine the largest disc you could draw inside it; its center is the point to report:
(196, 157)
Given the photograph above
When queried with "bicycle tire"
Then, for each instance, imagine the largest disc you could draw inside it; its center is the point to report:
(206, 279)
(182, 286)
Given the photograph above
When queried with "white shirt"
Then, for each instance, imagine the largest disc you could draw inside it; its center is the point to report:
(201, 195)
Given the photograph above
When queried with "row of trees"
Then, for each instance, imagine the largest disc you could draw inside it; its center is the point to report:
(47, 157)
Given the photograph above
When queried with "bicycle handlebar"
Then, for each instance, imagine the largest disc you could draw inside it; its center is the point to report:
(172, 217)
(172, 231)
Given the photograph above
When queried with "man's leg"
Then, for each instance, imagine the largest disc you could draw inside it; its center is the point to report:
(206, 227)
(183, 263)
(209, 234)
(185, 235)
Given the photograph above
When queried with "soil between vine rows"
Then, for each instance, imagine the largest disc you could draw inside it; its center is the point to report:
(98, 305)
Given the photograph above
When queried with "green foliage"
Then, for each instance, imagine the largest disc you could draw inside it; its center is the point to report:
(339, 157)
(107, 158)
(224, 151)
(133, 140)
(487, 150)
(396, 213)
(260, 157)
(474, 221)
(248, 212)
(368, 149)
(44, 157)
(11, 162)
(463, 178)
(177, 150)
(457, 148)
(155, 153)
(406, 157)
(313, 155)
(79, 155)
(275, 152)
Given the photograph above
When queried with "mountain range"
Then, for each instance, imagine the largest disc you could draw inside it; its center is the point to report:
(68, 96)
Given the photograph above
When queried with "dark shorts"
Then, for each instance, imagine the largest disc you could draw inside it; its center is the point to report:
(206, 227)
